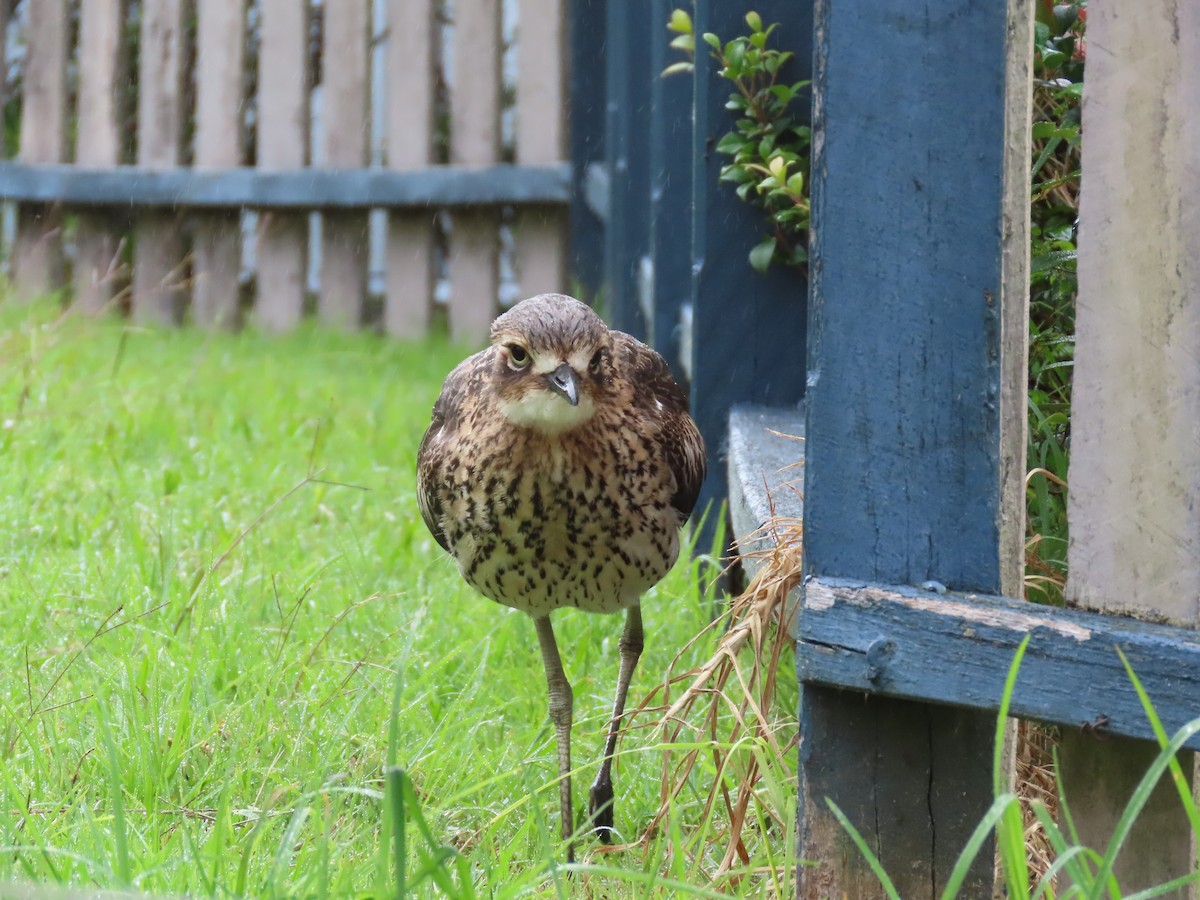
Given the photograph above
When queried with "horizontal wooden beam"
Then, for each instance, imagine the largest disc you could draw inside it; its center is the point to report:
(956, 649)
(297, 189)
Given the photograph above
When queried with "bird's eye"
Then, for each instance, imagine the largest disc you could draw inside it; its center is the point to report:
(597, 359)
(518, 356)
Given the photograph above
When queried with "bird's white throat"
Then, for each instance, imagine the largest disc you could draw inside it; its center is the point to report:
(547, 412)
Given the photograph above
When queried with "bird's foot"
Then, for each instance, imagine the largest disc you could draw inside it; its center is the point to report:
(600, 810)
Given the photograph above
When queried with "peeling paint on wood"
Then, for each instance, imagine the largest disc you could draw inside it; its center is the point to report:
(956, 649)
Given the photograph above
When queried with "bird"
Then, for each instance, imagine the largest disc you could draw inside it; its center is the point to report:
(558, 468)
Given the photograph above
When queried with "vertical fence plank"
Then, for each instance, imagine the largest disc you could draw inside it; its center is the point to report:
(670, 134)
(158, 264)
(587, 49)
(38, 251)
(627, 122)
(475, 140)
(346, 131)
(410, 247)
(1134, 505)
(101, 67)
(910, 442)
(283, 141)
(5, 15)
(217, 245)
(541, 232)
(766, 362)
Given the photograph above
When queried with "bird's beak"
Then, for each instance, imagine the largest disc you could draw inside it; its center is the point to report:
(564, 381)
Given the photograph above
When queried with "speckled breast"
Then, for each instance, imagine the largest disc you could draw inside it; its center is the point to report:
(582, 520)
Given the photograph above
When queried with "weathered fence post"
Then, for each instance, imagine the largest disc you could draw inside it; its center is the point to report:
(748, 328)
(475, 141)
(540, 231)
(101, 70)
(1134, 502)
(38, 251)
(283, 143)
(670, 133)
(217, 234)
(346, 128)
(626, 125)
(916, 401)
(410, 247)
(587, 48)
(158, 264)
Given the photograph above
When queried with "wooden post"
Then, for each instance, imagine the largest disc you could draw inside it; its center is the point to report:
(475, 140)
(158, 264)
(916, 411)
(345, 133)
(670, 134)
(217, 234)
(541, 232)
(5, 15)
(410, 271)
(765, 362)
(283, 143)
(1134, 504)
(38, 263)
(627, 115)
(101, 69)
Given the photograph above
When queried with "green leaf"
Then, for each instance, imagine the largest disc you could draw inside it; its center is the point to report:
(735, 55)
(761, 255)
(684, 42)
(680, 22)
(754, 20)
(677, 68)
(730, 143)
(712, 40)
(795, 184)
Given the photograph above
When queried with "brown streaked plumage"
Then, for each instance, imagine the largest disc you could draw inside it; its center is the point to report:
(560, 464)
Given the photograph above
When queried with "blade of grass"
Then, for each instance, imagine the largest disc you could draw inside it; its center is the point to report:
(116, 797)
(1181, 783)
(1137, 802)
(860, 842)
(962, 865)
(1010, 832)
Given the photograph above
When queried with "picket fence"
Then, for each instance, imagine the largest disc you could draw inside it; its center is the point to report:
(200, 158)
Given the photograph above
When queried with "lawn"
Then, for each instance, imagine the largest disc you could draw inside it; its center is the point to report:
(222, 618)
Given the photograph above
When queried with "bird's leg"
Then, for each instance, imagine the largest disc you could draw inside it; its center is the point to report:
(600, 799)
(561, 702)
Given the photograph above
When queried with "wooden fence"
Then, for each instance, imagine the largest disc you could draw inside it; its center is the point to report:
(902, 363)
(150, 127)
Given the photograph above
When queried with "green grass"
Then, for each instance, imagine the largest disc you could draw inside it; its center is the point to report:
(215, 588)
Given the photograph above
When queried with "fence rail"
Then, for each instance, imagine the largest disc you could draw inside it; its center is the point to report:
(188, 114)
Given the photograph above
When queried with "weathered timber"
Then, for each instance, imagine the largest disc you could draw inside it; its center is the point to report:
(344, 133)
(303, 189)
(410, 240)
(217, 234)
(283, 151)
(99, 233)
(956, 649)
(915, 436)
(540, 232)
(1134, 503)
(475, 140)
(749, 330)
(37, 253)
(159, 276)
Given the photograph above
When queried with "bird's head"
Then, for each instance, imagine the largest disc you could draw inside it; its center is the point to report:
(553, 361)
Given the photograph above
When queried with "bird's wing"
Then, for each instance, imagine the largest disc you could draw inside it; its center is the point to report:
(683, 445)
(432, 455)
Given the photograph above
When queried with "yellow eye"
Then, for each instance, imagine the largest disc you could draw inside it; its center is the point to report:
(518, 356)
